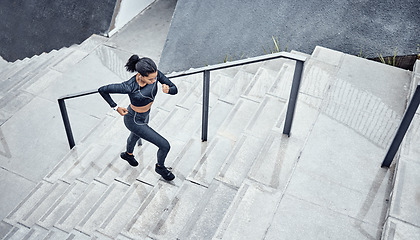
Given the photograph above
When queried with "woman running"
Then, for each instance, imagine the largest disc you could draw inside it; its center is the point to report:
(141, 89)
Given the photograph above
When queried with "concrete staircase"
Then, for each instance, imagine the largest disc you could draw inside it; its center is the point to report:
(248, 181)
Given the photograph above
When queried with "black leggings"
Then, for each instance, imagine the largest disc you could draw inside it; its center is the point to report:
(137, 123)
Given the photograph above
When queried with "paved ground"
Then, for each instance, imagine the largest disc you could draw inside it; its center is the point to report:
(204, 32)
(32, 27)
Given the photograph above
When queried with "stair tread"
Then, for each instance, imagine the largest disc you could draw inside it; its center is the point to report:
(18, 232)
(262, 82)
(250, 213)
(29, 202)
(240, 160)
(210, 163)
(204, 221)
(226, 188)
(55, 233)
(46, 203)
(5, 228)
(240, 115)
(62, 205)
(241, 81)
(14, 101)
(69, 60)
(93, 189)
(179, 211)
(81, 207)
(120, 216)
(98, 213)
(148, 215)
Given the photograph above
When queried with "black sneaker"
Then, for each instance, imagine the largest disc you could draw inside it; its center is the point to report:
(129, 158)
(165, 173)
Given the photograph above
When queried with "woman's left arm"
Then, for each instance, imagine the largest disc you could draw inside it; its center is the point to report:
(165, 81)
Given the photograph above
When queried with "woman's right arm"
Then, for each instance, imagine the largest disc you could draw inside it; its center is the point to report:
(121, 88)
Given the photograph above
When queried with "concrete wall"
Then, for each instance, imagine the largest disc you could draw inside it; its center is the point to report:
(125, 11)
(204, 32)
(32, 27)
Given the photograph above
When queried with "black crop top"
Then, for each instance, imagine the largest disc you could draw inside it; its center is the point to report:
(139, 96)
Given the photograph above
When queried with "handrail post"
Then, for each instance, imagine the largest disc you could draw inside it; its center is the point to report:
(402, 129)
(206, 99)
(293, 97)
(66, 122)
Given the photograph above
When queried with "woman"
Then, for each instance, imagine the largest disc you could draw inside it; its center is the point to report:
(141, 89)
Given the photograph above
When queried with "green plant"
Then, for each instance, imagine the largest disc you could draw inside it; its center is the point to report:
(276, 47)
(232, 58)
(360, 53)
(389, 60)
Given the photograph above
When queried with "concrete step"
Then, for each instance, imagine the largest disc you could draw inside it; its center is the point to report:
(30, 202)
(189, 92)
(300, 53)
(22, 232)
(209, 212)
(68, 172)
(83, 207)
(179, 211)
(69, 60)
(5, 70)
(283, 82)
(92, 42)
(67, 200)
(22, 85)
(237, 184)
(259, 86)
(61, 206)
(94, 160)
(71, 178)
(5, 228)
(151, 210)
(240, 82)
(125, 209)
(48, 200)
(113, 59)
(240, 115)
(220, 85)
(3, 63)
(22, 74)
(102, 208)
(6, 76)
(250, 212)
(11, 102)
(209, 164)
(55, 233)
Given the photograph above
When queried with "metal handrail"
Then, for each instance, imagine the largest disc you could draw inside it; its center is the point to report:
(402, 129)
(206, 90)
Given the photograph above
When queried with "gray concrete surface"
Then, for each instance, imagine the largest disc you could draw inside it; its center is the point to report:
(247, 181)
(403, 221)
(204, 32)
(30, 121)
(28, 28)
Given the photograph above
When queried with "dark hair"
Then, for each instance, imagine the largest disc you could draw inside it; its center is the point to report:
(144, 66)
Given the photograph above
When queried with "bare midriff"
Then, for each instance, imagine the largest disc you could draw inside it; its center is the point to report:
(141, 109)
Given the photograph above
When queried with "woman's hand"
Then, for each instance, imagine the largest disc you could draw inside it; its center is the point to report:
(122, 111)
(165, 88)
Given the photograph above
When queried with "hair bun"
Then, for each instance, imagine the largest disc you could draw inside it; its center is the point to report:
(131, 63)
